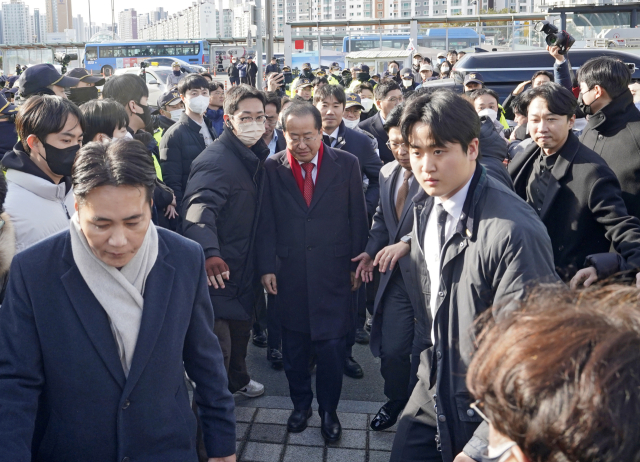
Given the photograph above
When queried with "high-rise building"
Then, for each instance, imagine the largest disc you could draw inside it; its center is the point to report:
(38, 26)
(78, 25)
(200, 20)
(1, 29)
(158, 15)
(16, 23)
(59, 15)
(128, 24)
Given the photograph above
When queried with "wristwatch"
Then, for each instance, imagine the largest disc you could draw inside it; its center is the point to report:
(406, 239)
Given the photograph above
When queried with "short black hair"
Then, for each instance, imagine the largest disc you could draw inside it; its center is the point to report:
(238, 94)
(42, 115)
(214, 86)
(363, 86)
(301, 109)
(610, 73)
(318, 80)
(538, 73)
(559, 100)
(394, 62)
(125, 88)
(452, 52)
(394, 117)
(120, 163)
(206, 75)
(384, 87)
(450, 117)
(103, 116)
(271, 97)
(519, 105)
(484, 91)
(192, 82)
(330, 90)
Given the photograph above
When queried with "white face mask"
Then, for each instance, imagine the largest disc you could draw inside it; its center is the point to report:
(407, 82)
(128, 136)
(367, 104)
(249, 134)
(197, 105)
(444, 69)
(351, 123)
(175, 115)
(493, 115)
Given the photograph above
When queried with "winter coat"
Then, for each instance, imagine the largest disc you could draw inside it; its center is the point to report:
(493, 152)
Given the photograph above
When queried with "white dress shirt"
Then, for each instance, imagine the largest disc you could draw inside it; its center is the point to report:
(334, 135)
(382, 118)
(314, 172)
(272, 144)
(432, 256)
(399, 182)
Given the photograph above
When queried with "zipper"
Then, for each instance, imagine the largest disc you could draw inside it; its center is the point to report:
(64, 206)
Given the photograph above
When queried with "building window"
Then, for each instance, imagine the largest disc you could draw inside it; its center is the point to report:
(379, 14)
(367, 14)
(470, 11)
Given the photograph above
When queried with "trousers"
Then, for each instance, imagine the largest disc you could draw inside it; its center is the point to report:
(234, 339)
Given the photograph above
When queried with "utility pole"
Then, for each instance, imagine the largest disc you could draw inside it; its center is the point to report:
(259, 37)
(90, 34)
(268, 17)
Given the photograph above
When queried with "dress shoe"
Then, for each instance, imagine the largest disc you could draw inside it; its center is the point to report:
(361, 336)
(275, 358)
(388, 414)
(298, 421)
(352, 368)
(260, 339)
(330, 427)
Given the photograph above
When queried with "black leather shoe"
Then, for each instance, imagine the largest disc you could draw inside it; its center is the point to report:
(330, 427)
(275, 358)
(361, 336)
(298, 421)
(388, 414)
(260, 339)
(352, 368)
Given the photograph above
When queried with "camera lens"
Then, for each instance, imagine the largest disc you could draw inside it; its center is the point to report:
(551, 40)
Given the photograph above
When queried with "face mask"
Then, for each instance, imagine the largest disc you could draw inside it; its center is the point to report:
(362, 76)
(60, 161)
(249, 134)
(81, 95)
(176, 73)
(367, 104)
(493, 115)
(584, 107)
(407, 82)
(444, 69)
(175, 115)
(145, 116)
(351, 123)
(440, 60)
(197, 105)
(393, 70)
(127, 136)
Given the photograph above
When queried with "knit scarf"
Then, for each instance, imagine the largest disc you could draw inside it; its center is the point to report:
(118, 291)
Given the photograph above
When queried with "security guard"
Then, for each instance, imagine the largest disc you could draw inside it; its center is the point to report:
(86, 90)
(320, 72)
(474, 81)
(303, 90)
(306, 73)
(44, 79)
(170, 108)
(335, 73)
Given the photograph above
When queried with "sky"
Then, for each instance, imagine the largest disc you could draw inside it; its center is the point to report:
(101, 9)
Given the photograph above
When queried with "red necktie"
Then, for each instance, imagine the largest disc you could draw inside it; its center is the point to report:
(308, 182)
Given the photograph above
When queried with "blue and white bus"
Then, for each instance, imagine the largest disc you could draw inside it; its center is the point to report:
(459, 38)
(109, 56)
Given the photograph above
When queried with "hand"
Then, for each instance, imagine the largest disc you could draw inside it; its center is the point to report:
(217, 271)
(269, 283)
(274, 82)
(170, 212)
(520, 87)
(586, 277)
(231, 458)
(356, 282)
(555, 52)
(364, 270)
(462, 457)
(390, 255)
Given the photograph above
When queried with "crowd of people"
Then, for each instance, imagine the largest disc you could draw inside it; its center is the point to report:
(487, 252)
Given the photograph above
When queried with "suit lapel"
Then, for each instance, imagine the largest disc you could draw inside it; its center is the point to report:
(326, 174)
(286, 175)
(413, 190)
(157, 293)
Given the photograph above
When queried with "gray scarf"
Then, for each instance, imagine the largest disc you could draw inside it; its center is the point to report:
(118, 291)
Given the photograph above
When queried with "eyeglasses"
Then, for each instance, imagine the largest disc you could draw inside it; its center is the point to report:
(248, 120)
(296, 143)
(395, 99)
(392, 145)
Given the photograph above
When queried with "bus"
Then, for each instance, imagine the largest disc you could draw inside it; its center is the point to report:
(104, 58)
(459, 38)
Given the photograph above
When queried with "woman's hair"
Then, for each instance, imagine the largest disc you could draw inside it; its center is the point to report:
(103, 116)
(560, 376)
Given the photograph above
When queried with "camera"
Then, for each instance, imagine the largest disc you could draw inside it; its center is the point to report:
(144, 64)
(64, 59)
(555, 37)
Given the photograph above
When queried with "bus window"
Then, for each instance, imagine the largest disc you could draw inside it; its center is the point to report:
(91, 53)
(106, 52)
(167, 50)
(119, 52)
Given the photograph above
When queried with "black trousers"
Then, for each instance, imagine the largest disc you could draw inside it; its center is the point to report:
(397, 339)
(351, 335)
(297, 347)
(415, 441)
(274, 334)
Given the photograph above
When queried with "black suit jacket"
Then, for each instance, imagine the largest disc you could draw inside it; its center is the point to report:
(583, 209)
(374, 126)
(360, 146)
(281, 143)
(64, 364)
(387, 229)
(309, 249)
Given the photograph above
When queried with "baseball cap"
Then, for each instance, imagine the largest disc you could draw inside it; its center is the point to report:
(357, 67)
(425, 67)
(250, 57)
(353, 100)
(306, 66)
(273, 57)
(286, 68)
(417, 55)
(303, 82)
(37, 78)
(365, 68)
(12, 80)
(442, 54)
(6, 107)
(321, 71)
(473, 77)
(84, 76)
(176, 64)
(335, 65)
(169, 98)
(406, 73)
(375, 75)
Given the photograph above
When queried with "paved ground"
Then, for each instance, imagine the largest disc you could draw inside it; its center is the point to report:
(261, 430)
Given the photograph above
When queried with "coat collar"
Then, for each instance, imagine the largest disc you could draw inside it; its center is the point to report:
(615, 114)
(252, 157)
(96, 322)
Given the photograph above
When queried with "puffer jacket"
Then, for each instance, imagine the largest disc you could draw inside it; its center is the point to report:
(38, 207)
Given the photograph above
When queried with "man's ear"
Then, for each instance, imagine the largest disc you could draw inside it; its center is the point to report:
(474, 149)
(33, 141)
(378, 103)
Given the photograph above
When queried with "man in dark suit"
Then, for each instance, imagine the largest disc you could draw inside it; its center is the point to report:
(313, 222)
(393, 317)
(571, 188)
(111, 313)
(331, 100)
(387, 96)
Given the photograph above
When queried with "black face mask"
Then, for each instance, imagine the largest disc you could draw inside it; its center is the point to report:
(81, 95)
(145, 116)
(307, 72)
(363, 76)
(176, 73)
(60, 161)
(584, 107)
